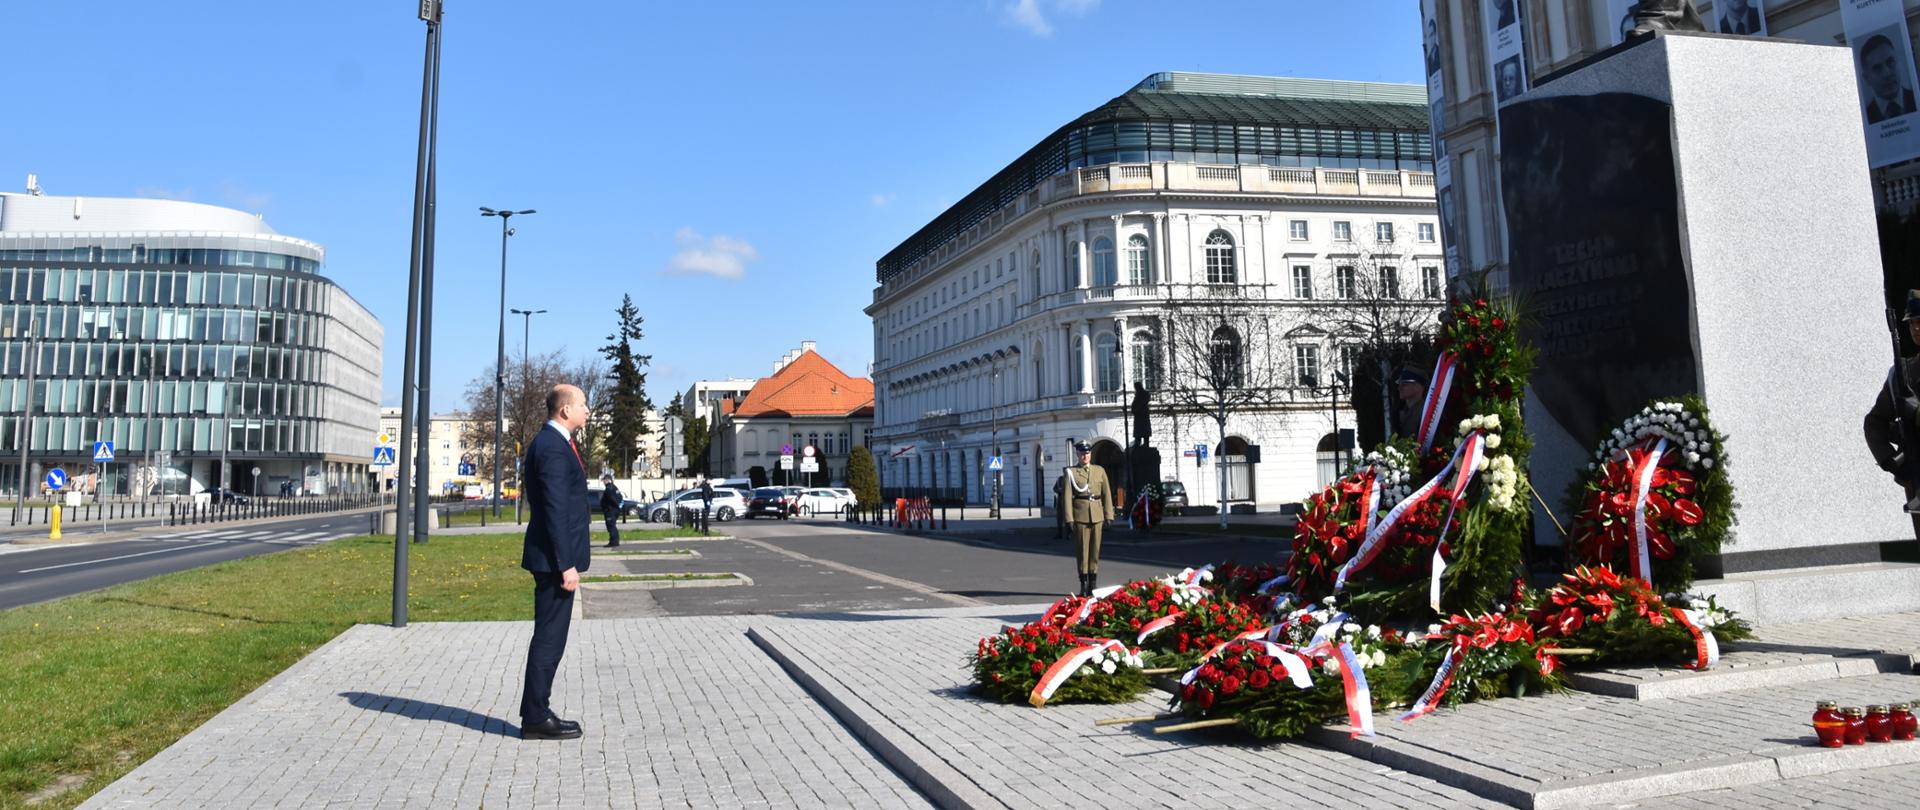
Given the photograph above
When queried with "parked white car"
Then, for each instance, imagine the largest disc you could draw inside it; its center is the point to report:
(825, 502)
(727, 505)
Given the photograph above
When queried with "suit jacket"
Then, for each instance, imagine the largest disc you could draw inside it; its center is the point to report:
(610, 501)
(1877, 113)
(1083, 495)
(555, 486)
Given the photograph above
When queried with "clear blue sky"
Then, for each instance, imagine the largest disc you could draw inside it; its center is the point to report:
(667, 146)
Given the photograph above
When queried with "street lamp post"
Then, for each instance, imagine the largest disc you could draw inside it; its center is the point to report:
(423, 181)
(526, 379)
(994, 410)
(500, 357)
(25, 431)
(1126, 416)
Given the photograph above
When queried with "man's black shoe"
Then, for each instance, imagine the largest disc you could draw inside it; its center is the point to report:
(552, 729)
(568, 724)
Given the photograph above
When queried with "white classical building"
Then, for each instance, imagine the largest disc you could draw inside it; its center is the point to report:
(1260, 211)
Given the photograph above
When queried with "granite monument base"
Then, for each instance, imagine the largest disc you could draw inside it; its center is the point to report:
(1692, 214)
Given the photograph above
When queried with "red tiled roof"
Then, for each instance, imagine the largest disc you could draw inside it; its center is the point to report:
(808, 386)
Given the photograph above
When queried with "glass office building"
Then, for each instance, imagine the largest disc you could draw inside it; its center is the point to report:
(184, 334)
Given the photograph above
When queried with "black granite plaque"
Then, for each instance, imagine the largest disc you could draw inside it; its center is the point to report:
(1593, 228)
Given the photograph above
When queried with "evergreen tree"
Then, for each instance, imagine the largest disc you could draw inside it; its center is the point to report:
(626, 404)
(697, 441)
(863, 477)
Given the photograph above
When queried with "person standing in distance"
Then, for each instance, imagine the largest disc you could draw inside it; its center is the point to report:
(1892, 434)
(610, 501)
(557, 550)
(1085, 499)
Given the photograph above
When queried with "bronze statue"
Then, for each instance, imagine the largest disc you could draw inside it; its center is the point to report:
(1665, 15)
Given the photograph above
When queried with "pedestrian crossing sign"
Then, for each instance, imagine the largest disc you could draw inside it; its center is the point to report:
(996, 464)
(382, 456)
(103, 451)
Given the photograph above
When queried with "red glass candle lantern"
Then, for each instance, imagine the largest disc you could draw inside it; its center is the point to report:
(1904, 723)
(1856, 726)
(1829, 724)
(1879, 724)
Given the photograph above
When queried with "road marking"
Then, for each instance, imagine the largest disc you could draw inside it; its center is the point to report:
(122, 557)
(876, 576)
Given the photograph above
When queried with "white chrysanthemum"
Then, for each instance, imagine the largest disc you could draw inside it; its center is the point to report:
(1693, 458)
(1707, 463)
(1107, 667)
(1433, 629)
(1373, 631)
(1493, 441)
(1330, 667)
(1349, 628)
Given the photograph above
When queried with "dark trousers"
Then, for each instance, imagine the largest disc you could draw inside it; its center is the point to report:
(552, 615)
(613, 531)
(1086, 537)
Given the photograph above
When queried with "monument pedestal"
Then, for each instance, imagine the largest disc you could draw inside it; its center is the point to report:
(1693, 214)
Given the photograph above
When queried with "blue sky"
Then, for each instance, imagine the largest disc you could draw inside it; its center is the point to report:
(736, 167)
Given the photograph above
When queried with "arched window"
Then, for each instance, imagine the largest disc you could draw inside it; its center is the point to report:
(1139, 264)
(1106, 358)
(1104, 273)
(1033, 275)
(1220, 266)
(1072, 265)
(1224, 368)
(1146, 360)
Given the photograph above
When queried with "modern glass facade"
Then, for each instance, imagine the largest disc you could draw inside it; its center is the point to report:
(178, 346)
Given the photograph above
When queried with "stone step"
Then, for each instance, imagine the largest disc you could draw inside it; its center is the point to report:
(1789, 595)
(1738, 669)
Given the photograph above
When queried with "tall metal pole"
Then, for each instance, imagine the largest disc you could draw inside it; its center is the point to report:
(430, 13)
(500, 363)
(526, 382)
(425, 424)
(26, 420)
(994, 417)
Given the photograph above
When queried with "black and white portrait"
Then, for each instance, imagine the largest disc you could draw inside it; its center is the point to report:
(1886, 78)
(1507, 79)
(1433, 45)
(1505, 14)
(1740, 17)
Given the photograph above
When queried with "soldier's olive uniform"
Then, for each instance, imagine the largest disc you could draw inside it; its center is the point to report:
(1084, 497)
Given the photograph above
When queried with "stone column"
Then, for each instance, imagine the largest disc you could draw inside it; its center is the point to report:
(1083, 343)
(1120, 271)
(1079, 247)
(1158, 249)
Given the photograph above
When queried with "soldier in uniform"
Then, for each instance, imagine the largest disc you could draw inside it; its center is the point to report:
(1085, 500)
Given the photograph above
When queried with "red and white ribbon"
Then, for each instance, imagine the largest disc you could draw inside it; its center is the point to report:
(1068, 664)
(1643, 480)
(1377, 535)
(1706, 648)
(1353, 679)
(1158, 625)
(1430, 699)
(1436, 401)
(1086, 608)
(1273, 583)
(1193, 577)
(1473, 450)
(1298, 670)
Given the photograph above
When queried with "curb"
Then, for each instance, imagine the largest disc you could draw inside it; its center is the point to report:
(942, 784)
(662, 584)
(1674, 683)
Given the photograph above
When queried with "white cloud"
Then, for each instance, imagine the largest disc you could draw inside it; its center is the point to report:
(883, 199)
(158, 193)
(1029, 15)
(720, 256)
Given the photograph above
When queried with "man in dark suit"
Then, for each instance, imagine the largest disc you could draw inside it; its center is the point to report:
(610, 501)
(557, 551)
(1739, 17)
(1880, 63)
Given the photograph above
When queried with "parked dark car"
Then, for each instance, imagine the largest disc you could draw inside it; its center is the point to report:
(772, 502)
(1173, 497)
(220, 495)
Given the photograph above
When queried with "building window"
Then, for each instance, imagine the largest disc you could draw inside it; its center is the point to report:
(1106, 358)
(1139, 262)
(1223, 358)
(1146, 360)
(1344, 283)
(1306, 365)
(1343, 231)
(1297, 229)
(1383, 232)
(1430, 282)
(1390, 282)
(1345, 358)
(1302, 282)
(1104, 274)
(1220, 266)
(1033, 275)
(1426, 231)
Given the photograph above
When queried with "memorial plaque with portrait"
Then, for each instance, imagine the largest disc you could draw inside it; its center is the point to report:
(1593, 229)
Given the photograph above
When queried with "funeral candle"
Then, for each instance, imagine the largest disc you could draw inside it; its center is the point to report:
(1904, 723)
(1856, 726)
(1879, 724)
(1829, 724)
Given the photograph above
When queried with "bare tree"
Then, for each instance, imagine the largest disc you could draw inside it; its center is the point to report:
(1228, 358)
(1383, 314)
(528, 382)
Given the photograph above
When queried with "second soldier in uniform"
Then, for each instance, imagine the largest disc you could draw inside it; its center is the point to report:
(1085, 499)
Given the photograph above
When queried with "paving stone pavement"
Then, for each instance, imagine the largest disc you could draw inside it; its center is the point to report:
(679, 712)
(905, 669)
(1888, 788)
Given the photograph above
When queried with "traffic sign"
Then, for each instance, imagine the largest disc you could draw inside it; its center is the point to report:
(807, 451)
(256, 471)
(1200, 451)
(808, 465)
(56, 478)
(466, 469)
(786, 462)
(383, 438)
(995, 464)
(103, 451)
(382, 456)
(786, 449)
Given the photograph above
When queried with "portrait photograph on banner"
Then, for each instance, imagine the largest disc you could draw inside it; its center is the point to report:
(1506, 60)
(1883, 64)
(1746, 17)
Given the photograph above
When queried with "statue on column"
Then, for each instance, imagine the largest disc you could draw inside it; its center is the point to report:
(1665, 15)
(1141, 430)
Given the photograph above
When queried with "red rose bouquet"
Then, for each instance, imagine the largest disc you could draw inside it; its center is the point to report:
(1037, 664)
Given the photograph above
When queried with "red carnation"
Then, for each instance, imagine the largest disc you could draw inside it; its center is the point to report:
(1037, 668)
(1230, 685)
(1259, 679)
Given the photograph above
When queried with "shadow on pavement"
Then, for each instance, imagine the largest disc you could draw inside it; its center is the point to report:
(423, 710)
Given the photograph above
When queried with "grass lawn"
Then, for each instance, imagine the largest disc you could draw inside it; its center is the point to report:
(93, 685)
